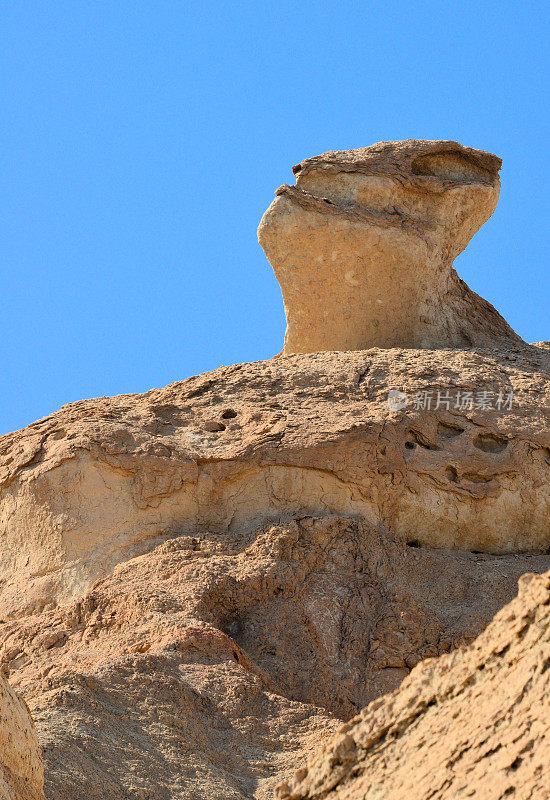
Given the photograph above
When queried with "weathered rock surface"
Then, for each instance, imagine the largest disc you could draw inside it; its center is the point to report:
(259, 516)
(103, 480)
(363, 248)
(475, 723)
(210, 666)
(200, 583)
(21, 773)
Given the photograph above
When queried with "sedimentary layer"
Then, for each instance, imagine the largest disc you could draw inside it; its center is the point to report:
(103, 480)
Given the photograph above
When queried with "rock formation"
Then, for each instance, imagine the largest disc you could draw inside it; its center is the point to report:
(21, 773)
(474, 723)
(199, 584)
(103, 480)
(288, 548)
(215, 663)
(363, 248)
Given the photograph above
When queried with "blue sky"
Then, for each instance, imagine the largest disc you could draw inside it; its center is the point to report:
(141, 143)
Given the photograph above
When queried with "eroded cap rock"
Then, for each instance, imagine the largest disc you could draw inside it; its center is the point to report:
(363, 247)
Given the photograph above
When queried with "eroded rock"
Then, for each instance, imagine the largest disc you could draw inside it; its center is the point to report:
(21, 772)
(363, 248)
(474, 723)
(104, 480)
(208, 667)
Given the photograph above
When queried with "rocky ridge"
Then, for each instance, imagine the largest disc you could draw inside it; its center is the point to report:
(474, 723)
(103, 480)
(263, 541)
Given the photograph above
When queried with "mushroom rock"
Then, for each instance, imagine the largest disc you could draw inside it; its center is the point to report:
(363, 248)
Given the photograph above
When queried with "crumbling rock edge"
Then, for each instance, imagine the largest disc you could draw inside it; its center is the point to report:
(474, 721)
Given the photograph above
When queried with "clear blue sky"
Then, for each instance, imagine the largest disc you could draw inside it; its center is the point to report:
(142, 141)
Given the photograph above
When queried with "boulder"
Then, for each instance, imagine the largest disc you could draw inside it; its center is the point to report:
(21, 772)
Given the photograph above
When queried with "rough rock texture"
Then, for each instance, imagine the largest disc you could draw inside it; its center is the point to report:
(200, 583)
(275, 548)
(475, 723)
(21, 773)
(103, 480)
(363, 248)
(210, 666)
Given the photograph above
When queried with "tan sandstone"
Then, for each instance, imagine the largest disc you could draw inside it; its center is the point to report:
(212, 665)
(21, 773)
(103, 480)
(275, 548)
(475, 723)
(199, 584)
(363, 248)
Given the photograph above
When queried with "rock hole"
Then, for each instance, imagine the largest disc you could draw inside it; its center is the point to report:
(229, 414)
(448, 431)
(421, 440)
(410, 445)
(233, 628)
(474, 477)
(449, 166)
(451, 474)
(490, 443)
(413, 543)
(171, 414)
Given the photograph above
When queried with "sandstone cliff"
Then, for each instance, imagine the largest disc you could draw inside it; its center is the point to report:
(211, 666)
(103, 480)
(199, 584)
(288, 548)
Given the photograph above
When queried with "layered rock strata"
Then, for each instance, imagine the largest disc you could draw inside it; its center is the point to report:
(103, 480)
(363, 248)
